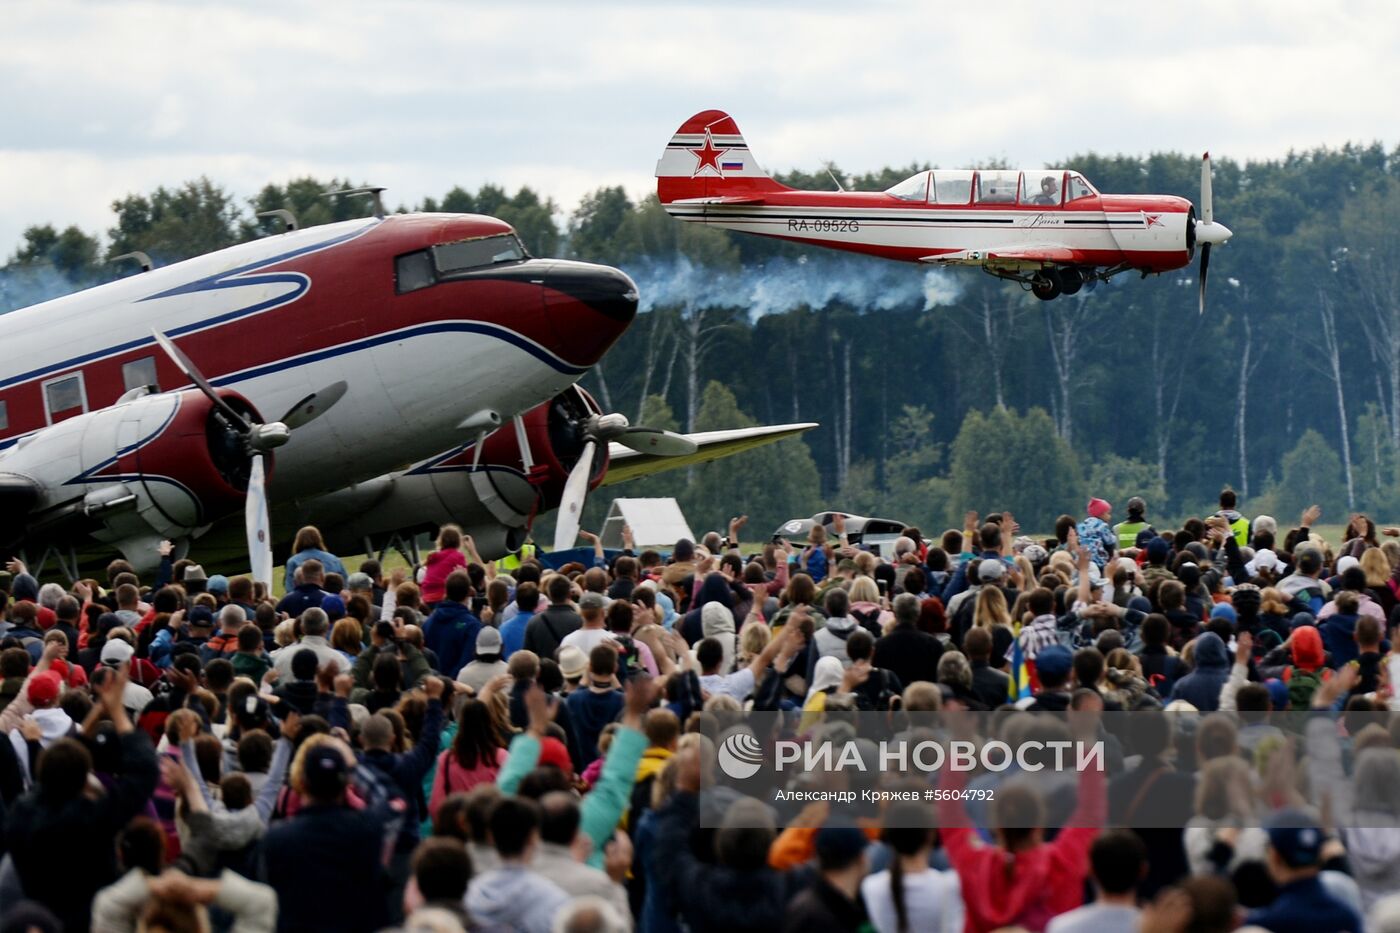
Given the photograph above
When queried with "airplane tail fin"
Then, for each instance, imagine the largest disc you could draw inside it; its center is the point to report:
(707, 159)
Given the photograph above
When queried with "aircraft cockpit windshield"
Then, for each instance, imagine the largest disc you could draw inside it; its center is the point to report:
(913, 188)
(478, 252)
(426, 267)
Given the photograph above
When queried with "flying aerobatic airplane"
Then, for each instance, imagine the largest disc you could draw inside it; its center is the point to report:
(135, 411)
(1048, 229)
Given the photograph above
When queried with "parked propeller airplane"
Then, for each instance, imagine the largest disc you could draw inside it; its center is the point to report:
(1048, 229)
(131, 412)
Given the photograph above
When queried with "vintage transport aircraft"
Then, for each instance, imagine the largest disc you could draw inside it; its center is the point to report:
(1048, 229)
(426, 365)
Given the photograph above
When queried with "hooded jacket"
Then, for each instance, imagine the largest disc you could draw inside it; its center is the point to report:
(450, 633)
(516, 898)
(715, 589)
(1201, 687)
(831, 639)
(1338, 633)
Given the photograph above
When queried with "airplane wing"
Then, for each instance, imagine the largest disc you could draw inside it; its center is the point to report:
(625, 463)
(1025, 253)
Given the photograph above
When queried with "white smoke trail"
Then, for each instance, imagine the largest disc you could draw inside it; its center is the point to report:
(780, 285)
(25, 285)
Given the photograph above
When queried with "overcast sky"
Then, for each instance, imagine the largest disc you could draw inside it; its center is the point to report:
(98, 99)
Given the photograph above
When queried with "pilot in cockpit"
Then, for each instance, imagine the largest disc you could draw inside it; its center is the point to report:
(1049, 191)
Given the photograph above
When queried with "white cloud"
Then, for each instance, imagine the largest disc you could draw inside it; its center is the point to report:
(106, 98)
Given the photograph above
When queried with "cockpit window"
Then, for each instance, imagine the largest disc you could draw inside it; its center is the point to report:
(473, 254)
(996, 187)
(912, 188)
(1078, 188)
(1041, 188)
(413, 271)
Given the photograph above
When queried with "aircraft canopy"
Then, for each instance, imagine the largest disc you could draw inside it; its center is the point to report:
(1030, 187)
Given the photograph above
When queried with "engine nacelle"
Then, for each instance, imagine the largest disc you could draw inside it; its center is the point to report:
(157, 466)
(494, 496)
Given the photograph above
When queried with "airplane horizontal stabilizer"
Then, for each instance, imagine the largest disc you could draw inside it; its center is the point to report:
(625, 463)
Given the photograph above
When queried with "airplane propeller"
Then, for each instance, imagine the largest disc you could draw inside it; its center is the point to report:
(1207, 230)
(260, 440)
(602, 429)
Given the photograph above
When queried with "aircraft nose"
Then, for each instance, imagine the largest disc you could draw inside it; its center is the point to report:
(589, 306)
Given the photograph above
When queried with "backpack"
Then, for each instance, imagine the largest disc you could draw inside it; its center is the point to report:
(1301, 687)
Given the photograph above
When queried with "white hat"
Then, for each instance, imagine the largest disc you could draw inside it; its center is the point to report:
(116, 652)
(1264, 560)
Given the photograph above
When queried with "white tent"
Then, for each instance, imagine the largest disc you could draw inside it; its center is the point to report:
(655, 523)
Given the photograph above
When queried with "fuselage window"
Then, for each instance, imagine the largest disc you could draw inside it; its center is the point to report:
(413, 271)
(474, 254)
(4, 416)
(64, 397)
(139, 373)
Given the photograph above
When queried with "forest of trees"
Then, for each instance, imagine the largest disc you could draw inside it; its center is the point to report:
(940, 391)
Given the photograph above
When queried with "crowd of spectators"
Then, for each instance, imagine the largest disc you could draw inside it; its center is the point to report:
(467, 745)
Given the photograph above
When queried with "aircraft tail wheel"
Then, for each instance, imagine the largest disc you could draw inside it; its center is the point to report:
(1046, 285)
(1071, 280)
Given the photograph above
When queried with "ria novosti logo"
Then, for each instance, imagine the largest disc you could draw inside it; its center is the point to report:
(740, 756)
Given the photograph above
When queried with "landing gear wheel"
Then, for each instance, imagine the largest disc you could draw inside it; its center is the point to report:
(1071, 280)
(1046, 285)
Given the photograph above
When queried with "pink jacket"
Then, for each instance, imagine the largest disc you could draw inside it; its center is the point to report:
(451, 777)
(440, 565)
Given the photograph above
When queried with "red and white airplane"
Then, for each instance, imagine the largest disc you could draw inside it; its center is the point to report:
(1048, 229)
(396, 346)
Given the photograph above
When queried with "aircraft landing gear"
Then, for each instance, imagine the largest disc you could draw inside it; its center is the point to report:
(1048, 284)
(1071, 280)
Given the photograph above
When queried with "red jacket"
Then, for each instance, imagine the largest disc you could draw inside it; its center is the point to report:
(1029, 888)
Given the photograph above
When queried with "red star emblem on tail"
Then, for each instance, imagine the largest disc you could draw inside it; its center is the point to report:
(1152, 220)
(707, 156)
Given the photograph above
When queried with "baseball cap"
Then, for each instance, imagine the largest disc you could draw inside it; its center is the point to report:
(573, 663)
(44, 687)
(488, 641)
(325, 771)
(202, 617)
(1278, 691)
(1158, 548)
(1054, 660)
(990, 570)
(359, 581)
(1296, 837)
(333, 607)
(218, 583)
(591, 601)
(116, 652)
